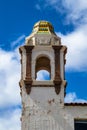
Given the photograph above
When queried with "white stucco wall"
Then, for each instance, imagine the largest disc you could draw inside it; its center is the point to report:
(43, 110)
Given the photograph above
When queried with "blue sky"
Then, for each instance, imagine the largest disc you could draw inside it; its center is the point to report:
(16, 22)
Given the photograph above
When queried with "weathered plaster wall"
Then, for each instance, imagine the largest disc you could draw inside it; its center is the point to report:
(42, 109)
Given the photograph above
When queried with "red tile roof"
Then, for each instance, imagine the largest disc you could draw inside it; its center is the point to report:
(76, 104)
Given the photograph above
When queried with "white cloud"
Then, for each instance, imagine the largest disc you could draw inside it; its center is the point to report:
(38, 7)
(11, 120)
(43, 75)
(75, 11)
(76, 42)
(77, 14)
(18, 41)
(9, 78)
(72, 97)
(10, 91)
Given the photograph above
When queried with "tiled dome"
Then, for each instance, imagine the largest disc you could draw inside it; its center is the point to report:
(43, 27)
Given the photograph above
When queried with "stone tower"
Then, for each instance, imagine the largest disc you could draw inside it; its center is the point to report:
(42, 101)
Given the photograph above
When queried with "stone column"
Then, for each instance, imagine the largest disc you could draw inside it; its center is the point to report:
(57, 79)
(28, 78)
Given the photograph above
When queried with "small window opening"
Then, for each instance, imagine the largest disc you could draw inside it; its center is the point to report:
(42, 68)
(43, 75)
(80, 125)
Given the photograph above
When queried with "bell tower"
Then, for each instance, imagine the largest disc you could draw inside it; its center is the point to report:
(42, 101)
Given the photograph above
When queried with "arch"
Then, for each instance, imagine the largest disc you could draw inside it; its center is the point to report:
(42, 63)
(39, 52)
(43, 54)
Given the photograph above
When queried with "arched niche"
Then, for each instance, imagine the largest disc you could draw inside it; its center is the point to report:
(42, 63)
(48, 54)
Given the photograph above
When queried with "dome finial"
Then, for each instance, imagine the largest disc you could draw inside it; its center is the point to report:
(43, 27)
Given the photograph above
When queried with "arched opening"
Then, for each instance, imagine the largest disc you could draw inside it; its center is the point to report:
(42, 68)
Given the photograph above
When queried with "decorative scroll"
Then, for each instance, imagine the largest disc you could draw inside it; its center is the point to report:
(28, 88)
(57, 88)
